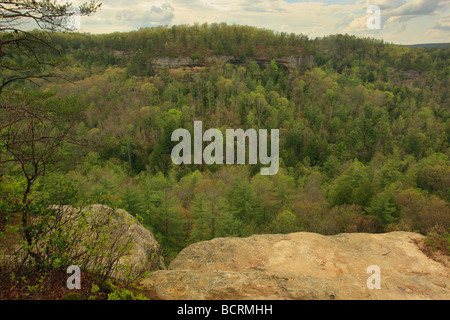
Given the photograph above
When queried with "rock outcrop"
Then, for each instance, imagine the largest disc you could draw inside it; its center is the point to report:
(146, 253)
(304, 266)
(98, 238)
(288, 62)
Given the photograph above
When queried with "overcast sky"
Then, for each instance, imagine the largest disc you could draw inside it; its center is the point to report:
(402, 21)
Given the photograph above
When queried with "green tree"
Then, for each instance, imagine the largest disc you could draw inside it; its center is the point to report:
(28, 55)
(208, 210)
(131, 200)
(264, 191)
(284, 222)
(242, 200)
(385, 208)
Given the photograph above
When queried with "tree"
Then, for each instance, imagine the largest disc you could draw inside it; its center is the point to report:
(130, 198)
(26, 55)
(33, 127)
(284, 186)
(242, 200)
(208, 209)
(385, 208)
(160, 159)
(34, 131)
(164, 214)
(139, 66)
(433, 174)
(284, 222)
(264, 190)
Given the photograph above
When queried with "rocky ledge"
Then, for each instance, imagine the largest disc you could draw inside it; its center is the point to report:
(288, 62)
(305, 266)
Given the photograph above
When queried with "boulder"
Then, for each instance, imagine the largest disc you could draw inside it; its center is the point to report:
(305, 266)
(97, 237)
(146, 253)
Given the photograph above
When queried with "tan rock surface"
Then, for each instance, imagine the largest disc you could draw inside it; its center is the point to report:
(304, 266)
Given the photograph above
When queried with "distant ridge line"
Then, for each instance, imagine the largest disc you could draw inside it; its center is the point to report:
(431, 45)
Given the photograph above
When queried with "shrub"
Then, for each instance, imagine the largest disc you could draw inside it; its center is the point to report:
(73, 296)
(439, 241)
(423, 212)
(284, 222)
(338, 219)
(59, 236)
(365, 224)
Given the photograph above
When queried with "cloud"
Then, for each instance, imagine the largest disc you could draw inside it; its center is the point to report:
(402, 20)
(442, 24)
(419, 7)
(157, 13)
(399, 19)
(127, 15)
(401, 11)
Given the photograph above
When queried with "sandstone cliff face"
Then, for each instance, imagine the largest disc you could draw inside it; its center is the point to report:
(288, 62)
(304, 266)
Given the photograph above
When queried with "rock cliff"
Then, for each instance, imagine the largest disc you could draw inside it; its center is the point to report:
(304, 266)
(288, 62)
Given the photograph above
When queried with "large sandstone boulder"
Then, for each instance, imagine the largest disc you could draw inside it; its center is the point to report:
(304, 266)
(108, 241)
(145, 254)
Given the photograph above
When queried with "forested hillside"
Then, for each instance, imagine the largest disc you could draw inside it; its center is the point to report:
(364, 133)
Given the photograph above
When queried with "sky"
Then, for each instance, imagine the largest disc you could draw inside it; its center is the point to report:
(400, 21)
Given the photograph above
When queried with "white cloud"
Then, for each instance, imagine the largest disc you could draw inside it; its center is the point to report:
(159, 12)
(443, 24)
(314, 18)
(419, 7)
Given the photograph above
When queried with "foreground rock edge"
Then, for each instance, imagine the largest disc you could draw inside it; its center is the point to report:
(304, 266)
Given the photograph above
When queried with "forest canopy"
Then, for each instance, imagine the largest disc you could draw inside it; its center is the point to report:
(364, 132)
